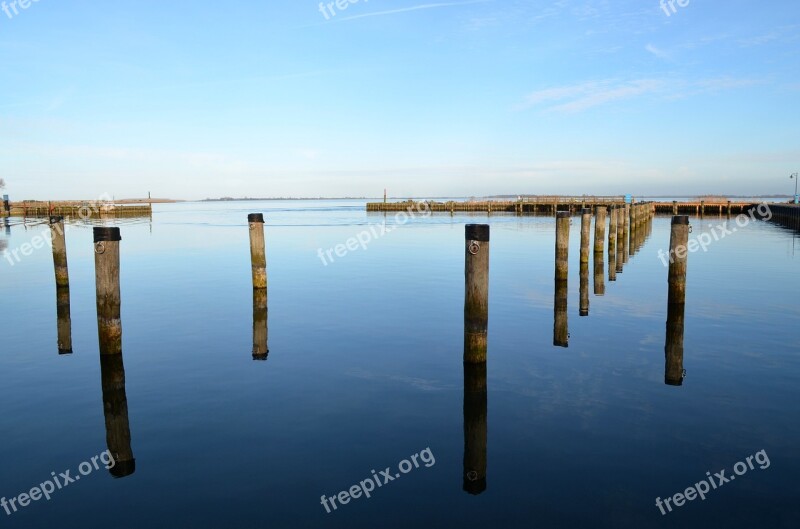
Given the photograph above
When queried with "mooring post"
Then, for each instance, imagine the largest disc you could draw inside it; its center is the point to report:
(678, 254)
(260, 329)
(475, 428)
(476, 298)
(106, 265)
(59, 243)
(599, 229)
(115, 410)
(562, 245)
(586, 230)
(674, 207)
(64, 321)
(560, 324)
(673, 348)
(620, 227)
(612, 229)
(258, 255)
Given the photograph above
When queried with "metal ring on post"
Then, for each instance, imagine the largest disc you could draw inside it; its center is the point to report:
(474, 247)
(99, 248)
(472, 475)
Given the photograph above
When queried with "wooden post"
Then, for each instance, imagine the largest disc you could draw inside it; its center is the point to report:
(475, 428)
(626, 232)
(260, 328)
(729, 209)
(476, 298)
(562, 245)
(620, 258)
(64, 325)
(115, 409)
(258, 255)
(612, 229)
(674, 207)
(560, 325)
(678, 253)
(599, 229)
(586, 230)
(702, 208)
(106, 264)
(384, 195)
(673, 348)
(59, 244)
(612, 244)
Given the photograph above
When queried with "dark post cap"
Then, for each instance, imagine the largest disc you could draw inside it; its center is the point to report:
(680, 219)
(107, 235)
(256, 217)
(54, 219)
(586, 211)
(476, 232)
(563, 214)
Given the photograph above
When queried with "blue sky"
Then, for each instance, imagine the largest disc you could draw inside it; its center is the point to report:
(243, 98)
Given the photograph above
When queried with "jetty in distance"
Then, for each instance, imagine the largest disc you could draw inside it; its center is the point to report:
(550, 205)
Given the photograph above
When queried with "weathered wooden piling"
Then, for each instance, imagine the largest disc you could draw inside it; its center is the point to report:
(586, 230)
(612, 229)
(115, 409)
(599, 229)
(258, 254)
(678, 254)
(476, 298)
(562, 245)
(673, 348)
(560, 324)
(612, 246)
(106, 264)
(620, 257)
(674, 207)
(626, 231)
(59, 244)
(475, 428)
(260, 328)
(64, 321)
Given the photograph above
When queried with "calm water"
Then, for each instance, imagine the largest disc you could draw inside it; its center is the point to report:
(365, 370)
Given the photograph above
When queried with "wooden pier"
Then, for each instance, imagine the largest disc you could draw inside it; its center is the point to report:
(81, 209)
(550, 205)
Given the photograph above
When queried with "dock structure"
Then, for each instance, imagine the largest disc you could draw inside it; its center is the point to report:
(78, 209)
(787, 215)
(550, 205)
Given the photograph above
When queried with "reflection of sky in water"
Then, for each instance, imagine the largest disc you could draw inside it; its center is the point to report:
(365, 369)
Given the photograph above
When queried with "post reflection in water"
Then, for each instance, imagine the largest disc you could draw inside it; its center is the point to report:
(475, 427)
(64, 321)
(115, 408)
(673, 350)
(584, 290)
(561, 323)
(260, 328)
(599, 274)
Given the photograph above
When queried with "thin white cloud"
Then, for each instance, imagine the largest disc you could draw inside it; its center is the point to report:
(412, 8)
(661, 54)
(583, 96)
